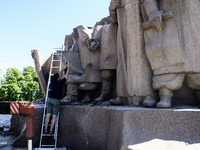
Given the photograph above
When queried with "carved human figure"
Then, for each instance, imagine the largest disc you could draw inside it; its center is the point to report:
(107, 37)
(175, 51)
(90, 78)
(71, 55)
(134, 73)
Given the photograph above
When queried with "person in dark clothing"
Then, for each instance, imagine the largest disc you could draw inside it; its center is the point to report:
(53, 102)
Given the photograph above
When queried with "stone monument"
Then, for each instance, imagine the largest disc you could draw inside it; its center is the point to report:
(152, 49)
(172, 40)
(133, 69)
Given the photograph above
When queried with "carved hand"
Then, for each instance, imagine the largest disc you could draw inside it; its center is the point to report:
(156, 20)
(93, 44)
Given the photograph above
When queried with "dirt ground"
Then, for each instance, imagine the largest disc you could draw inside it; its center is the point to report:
(6, 137)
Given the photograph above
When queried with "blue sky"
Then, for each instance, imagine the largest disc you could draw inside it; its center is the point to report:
(28, 24)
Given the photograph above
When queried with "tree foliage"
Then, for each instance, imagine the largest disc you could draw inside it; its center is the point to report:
(31, 89)
(20, 86)
(0, 77)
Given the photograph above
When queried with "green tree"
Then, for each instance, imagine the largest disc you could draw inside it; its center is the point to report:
(31, 89)
(0, 77)
(11, 85)
(20, 86)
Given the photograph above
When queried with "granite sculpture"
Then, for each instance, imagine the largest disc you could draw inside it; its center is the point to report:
(172, 41)
(133, 70)
(152, 49)
(90, 78)
(84, 64)
(107, 37)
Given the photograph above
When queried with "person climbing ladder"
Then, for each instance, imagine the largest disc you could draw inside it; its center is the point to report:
(53, 103)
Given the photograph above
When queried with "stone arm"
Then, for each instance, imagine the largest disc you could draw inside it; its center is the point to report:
(112, 9)
(94, 44)
(95, 41)
(85, 35)
(99, 34)
(153, 13)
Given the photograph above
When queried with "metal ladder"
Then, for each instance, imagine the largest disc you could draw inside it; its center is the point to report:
(55, 67)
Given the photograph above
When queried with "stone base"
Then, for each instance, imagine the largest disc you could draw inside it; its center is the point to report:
(121, 128)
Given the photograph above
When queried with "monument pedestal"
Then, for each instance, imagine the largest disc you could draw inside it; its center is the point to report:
(121, 127)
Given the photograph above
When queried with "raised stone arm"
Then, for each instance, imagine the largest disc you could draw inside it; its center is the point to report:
(155, 16)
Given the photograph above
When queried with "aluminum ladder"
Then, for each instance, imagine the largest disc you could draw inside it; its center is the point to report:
(56, 62)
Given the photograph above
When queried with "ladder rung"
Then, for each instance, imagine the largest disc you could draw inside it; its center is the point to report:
(48, 145)
(44, 148)
(57, 54)
(56, 67)
(48, 124)
(47, 134)
(56, 60)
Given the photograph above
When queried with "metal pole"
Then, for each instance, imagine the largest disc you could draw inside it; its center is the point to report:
(30, 144)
